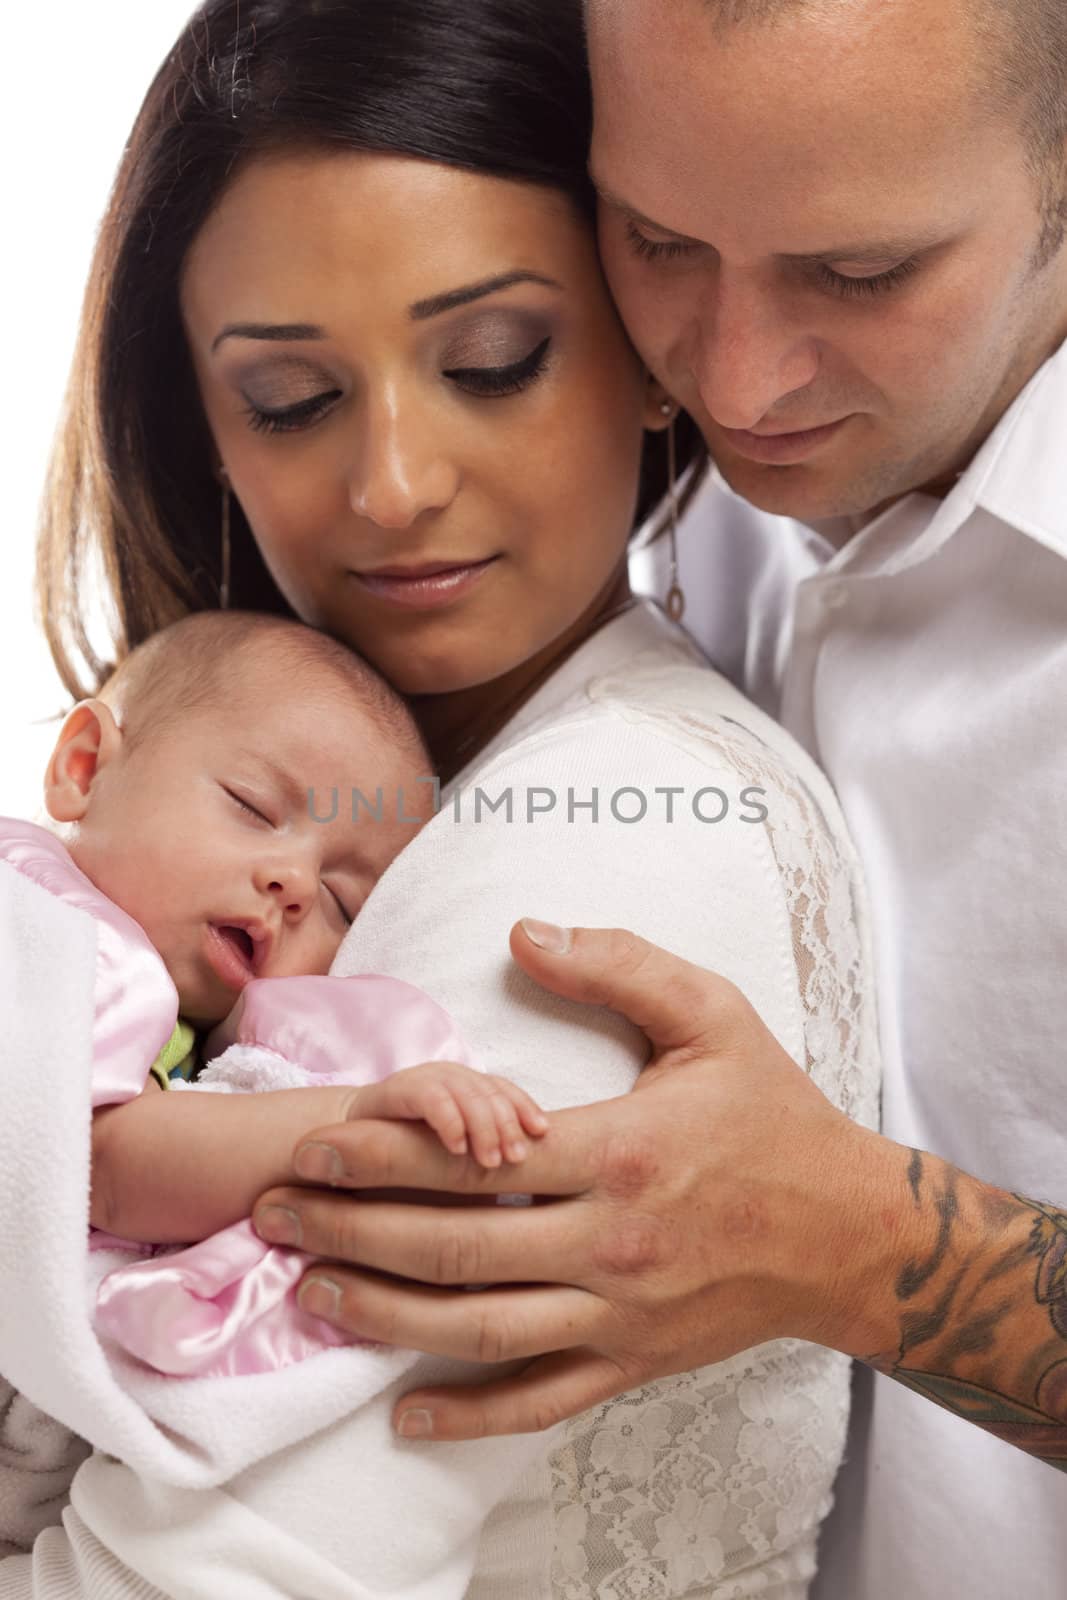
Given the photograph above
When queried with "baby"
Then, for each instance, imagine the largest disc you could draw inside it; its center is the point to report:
(207, 792)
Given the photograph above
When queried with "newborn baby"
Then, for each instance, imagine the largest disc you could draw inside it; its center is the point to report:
(236, 790)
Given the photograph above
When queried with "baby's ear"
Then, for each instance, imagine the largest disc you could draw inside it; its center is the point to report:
(89, 738)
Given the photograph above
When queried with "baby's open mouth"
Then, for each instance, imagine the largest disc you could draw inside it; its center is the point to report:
(235, 954)
(242, 941)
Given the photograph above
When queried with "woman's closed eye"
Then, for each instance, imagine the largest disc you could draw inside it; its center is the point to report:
(487, 383)
(291, 419)
(492, 383)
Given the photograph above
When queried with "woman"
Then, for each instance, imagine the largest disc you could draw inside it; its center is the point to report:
(347, 352)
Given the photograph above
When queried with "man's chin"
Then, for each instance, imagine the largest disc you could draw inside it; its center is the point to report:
(804, 491)
(808, 491)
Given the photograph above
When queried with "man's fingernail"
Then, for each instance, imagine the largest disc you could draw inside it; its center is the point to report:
(321, 1163)
(320, 1297)
(546, 936)
(415, 1425)
(278, 1225)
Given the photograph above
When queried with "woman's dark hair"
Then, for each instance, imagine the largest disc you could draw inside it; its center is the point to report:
(494, 86)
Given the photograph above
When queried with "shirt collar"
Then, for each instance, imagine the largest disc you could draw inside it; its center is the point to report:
(1019, 475)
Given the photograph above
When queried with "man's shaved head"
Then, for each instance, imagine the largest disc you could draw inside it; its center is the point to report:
(835, 228)
(1023, 60)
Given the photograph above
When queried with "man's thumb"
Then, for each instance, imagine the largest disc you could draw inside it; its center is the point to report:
(676, 1004)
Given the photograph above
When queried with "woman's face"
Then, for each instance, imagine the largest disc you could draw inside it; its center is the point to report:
(411, 370)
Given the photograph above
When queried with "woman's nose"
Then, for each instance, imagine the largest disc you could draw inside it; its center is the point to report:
(402, 467)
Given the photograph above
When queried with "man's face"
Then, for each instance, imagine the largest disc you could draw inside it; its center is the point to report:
(823, 240)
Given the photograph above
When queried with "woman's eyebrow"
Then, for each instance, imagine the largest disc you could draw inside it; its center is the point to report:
(421, 311)
(438, 304)
(274, 331)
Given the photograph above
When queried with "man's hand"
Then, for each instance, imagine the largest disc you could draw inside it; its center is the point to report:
(721, 1204)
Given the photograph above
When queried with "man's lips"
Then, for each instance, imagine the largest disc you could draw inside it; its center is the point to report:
(782, 447)
(422, 587)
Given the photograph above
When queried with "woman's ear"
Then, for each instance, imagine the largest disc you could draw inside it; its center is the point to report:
(89, 739)
(660, 409)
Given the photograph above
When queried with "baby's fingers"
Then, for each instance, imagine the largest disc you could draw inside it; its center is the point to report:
(515, 1116)
(530, 1114)
(446, 1114)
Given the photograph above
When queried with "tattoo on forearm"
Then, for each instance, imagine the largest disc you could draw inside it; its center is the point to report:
(983, 1310)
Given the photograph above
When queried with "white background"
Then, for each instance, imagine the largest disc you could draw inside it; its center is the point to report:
(75, 73)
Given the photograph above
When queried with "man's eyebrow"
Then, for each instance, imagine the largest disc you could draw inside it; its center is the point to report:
(270, 331)
(438, 304)
(634, 215)
(870, 252)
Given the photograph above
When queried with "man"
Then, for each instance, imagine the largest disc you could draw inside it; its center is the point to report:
(836, 231)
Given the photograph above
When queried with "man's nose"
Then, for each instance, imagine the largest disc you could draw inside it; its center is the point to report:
(402, 467)
(748, 353)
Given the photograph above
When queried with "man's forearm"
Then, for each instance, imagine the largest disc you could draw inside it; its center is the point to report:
(979, 1306)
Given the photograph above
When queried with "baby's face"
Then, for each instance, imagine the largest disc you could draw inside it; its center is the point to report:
(209, 836)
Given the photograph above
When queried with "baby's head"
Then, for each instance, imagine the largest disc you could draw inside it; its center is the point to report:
(209, 791)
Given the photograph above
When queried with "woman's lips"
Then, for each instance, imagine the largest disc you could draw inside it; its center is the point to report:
(781, 449)
(423, 588)
(228, 957)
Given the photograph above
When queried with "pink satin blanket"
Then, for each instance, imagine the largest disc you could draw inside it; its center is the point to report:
(228, 1304)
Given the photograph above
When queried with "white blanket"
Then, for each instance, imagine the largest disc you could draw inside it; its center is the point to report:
(178, 1436)
(190, 1434)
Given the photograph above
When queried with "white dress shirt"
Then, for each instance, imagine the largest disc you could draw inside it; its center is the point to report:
(924, 665)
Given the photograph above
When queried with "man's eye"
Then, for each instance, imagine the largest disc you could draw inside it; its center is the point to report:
(857, 288)
(653, 249)
(291, 419)
(492, 383)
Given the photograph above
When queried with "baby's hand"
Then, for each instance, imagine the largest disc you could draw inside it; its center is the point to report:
(468, 1110)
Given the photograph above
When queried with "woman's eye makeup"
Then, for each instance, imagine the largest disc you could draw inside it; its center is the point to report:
(290, 419)
(485, 378)
(497, 381)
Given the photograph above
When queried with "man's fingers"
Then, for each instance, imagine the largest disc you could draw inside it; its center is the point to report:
(677, 1005)
(397, 1155)
(545, 1393)
(437, 1245)
(490, 1325)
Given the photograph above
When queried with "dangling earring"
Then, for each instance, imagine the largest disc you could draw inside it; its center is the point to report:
(675, 597)
(224, 585)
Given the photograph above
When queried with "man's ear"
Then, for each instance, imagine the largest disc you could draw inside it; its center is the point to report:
(89, 738)
(660, 409)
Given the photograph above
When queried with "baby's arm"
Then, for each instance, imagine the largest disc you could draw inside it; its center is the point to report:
(175, 1168)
